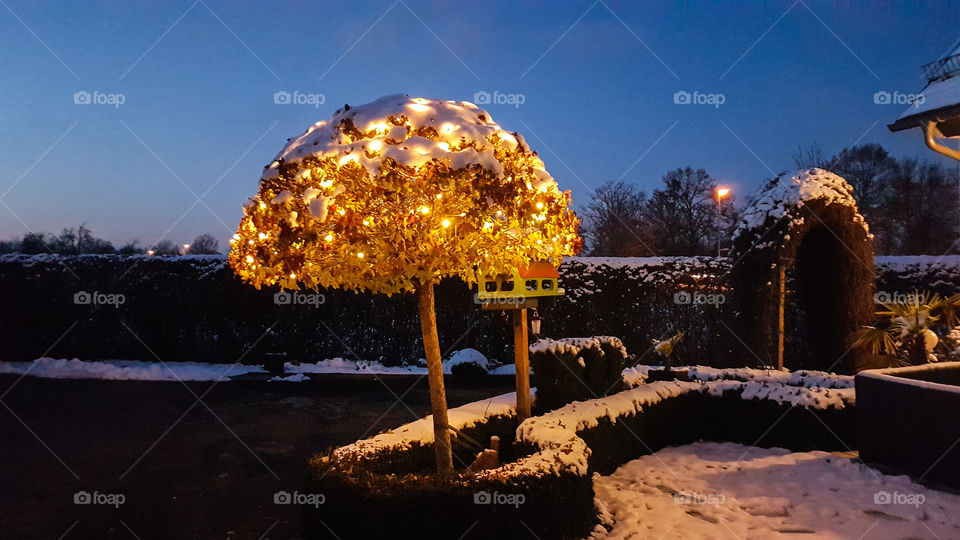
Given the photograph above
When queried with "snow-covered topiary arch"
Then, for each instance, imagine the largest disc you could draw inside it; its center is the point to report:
(806, 223)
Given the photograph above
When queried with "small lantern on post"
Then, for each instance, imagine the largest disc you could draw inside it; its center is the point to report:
(516, 292)
(535, 322)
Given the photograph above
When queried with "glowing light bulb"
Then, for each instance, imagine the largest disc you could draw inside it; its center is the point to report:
(375, 146)
(445, 223)
(326, 183)
(250, 259)
(293, 276)
(360, 255)
(366, 223)
(488, 225)
(263, 236)
(328, 238)
(424, 210)
(499, 212)
(439, 195)
(342, 212)
(539, 205)
(263, 205)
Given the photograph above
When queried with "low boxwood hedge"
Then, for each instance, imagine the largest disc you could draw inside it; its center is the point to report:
(392, 493)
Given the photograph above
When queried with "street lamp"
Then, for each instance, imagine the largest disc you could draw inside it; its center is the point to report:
(721, 193)
(186, 248)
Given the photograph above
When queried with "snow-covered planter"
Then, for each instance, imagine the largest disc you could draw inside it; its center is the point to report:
(572, 369)
(909, 420)
(805, 223)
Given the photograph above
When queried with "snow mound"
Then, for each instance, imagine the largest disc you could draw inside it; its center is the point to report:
(726, 490)
(466, 356)
(409, 131)
(789, 191)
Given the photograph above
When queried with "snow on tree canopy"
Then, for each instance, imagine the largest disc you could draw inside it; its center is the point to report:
(789, 191)
(409, 131)
(399, 192)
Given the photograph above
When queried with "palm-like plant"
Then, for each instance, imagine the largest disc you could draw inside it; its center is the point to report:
(904, 332)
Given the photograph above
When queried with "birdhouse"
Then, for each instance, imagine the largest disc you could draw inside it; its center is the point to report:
(523, 287)
(935, 110)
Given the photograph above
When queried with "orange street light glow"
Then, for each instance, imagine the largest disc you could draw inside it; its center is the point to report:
(722, 192)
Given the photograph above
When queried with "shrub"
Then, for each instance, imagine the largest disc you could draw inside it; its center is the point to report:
(573, 369)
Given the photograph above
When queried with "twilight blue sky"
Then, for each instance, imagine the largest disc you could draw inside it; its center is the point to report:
(597, 78)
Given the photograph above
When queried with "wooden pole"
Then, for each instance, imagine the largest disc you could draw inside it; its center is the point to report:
(438, 395)
(522, 362)
(783, 299)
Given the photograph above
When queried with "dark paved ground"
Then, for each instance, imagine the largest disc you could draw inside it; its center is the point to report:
(183, 473)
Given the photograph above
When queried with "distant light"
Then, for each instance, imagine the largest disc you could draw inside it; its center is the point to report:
(329, 238)
(445, 223)
(722, 192)
(151, 252)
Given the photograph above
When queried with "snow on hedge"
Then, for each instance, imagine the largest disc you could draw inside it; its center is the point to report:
(726, 490)
(802, 388)
(576, 344)
(555, 433)
(789, 191)
(421, 431)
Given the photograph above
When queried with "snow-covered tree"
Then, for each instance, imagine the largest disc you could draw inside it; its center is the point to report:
(394, 195)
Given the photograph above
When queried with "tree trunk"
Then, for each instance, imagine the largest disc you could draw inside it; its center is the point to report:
(438, 395)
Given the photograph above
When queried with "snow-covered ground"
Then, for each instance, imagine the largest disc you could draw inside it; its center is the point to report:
(726, 490)
(133, 370)
(126, 370)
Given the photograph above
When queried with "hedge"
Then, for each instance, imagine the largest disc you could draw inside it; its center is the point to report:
(194, 309)
(554, 457)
